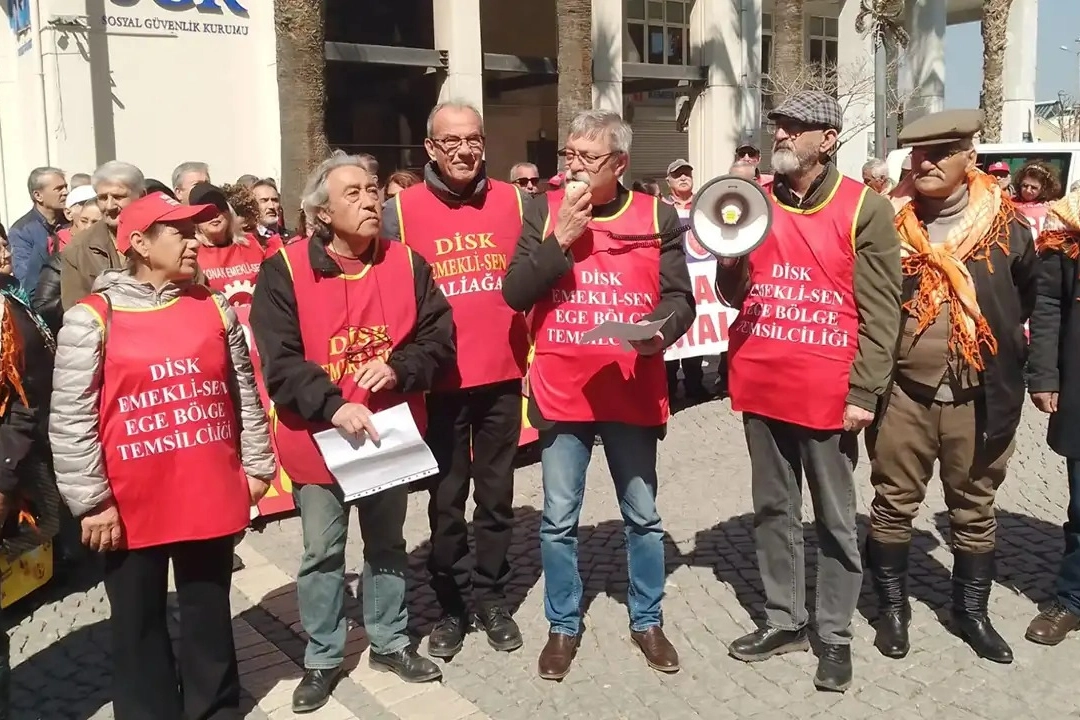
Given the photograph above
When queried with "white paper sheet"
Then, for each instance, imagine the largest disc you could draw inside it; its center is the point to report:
(624, 332)
(363, 468)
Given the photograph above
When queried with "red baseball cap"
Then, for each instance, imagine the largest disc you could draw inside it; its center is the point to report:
(999, 166)
(156, 208)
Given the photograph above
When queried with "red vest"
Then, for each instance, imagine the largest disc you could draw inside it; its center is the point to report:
(346, 321)
(611, 280)
(232, 269)
(792, 345)
(469, 249)
(169, 432)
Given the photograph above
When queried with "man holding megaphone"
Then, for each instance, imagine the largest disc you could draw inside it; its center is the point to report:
(810, 355)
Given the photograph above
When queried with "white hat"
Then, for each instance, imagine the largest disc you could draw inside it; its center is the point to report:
(80, 195)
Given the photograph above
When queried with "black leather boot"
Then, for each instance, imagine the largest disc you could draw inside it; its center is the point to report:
(314, 690)
(972, 576)
(448, 636)
(888, 565)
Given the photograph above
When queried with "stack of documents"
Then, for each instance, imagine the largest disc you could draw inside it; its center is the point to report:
(362, 467)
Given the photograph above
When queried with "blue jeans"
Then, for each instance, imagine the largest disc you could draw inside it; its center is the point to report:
(320, 583)
(1068, 581)
(631, 455)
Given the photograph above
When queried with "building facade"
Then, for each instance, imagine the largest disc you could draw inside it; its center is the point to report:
(158, 82)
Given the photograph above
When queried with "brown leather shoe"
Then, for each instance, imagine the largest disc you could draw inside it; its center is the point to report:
(1052, 625)
(657, 649)
(557, 655)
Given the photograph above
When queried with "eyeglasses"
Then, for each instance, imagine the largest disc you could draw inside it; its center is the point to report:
(450, 143)
(526, 181)
(587, 159)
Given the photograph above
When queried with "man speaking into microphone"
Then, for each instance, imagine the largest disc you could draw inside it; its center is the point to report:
(594, 252)
(810, 355)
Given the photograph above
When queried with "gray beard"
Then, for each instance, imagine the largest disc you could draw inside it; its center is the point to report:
(785, 162)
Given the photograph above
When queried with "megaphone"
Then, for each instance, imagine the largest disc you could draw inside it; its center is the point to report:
(730, 216)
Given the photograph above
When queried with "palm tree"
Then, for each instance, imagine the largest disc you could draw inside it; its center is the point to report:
(300, 26)
(995, 24)
(789, 55)
(574, 61)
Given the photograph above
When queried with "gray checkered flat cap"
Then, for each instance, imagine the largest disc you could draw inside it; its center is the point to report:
(811, 107)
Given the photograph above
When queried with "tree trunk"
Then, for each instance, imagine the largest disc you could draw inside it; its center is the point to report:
(575, 61)
(789, 56)
(995, 23)
(300, 26)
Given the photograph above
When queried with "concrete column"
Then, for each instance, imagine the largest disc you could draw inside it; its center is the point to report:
(925, 66)
(608, 28)
(855, 77)
(1018, 110)
(457, 30)
(727, 41)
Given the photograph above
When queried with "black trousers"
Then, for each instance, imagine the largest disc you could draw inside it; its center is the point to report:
(693, 373)
(145, 683)
(474, 435)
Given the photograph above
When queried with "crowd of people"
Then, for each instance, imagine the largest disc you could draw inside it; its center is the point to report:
(147, 329)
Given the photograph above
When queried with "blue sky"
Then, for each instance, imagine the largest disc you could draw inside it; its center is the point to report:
(1059, 24)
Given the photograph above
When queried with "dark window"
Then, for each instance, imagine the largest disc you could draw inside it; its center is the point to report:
(1060, 162)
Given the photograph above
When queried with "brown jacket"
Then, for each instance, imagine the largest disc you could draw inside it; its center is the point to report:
(90, 253)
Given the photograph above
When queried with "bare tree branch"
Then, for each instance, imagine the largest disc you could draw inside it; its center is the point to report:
(851, 84)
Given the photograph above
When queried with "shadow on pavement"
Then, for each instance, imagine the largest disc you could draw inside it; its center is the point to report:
(1029, 550)
(71, 678)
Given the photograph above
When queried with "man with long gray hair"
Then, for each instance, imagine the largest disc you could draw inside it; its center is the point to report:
(93, 251)
(819, 304)
(594, 252)
(466, 225)
(348, 324)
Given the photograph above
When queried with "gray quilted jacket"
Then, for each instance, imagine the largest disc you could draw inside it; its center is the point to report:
(73, 422)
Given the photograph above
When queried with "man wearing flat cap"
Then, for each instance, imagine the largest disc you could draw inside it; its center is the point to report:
(958, 388)
(809, 359)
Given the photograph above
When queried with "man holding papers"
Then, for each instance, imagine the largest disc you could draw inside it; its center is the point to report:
(466, 225)
(592, 253)
(348, 324)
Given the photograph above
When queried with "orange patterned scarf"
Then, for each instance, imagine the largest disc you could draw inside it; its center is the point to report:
(942, 270)
(11, 362)
(1061, 231)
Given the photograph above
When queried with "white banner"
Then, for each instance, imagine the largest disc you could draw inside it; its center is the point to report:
(709, 333)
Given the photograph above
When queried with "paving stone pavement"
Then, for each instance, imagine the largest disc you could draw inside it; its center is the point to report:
(60, 645)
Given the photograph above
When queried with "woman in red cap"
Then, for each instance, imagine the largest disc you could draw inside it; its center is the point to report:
(161, 447)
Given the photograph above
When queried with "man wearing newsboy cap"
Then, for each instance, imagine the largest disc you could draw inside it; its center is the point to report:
(810, 357)
(969, 286)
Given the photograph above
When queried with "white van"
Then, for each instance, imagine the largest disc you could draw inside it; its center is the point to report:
(1063, 157)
